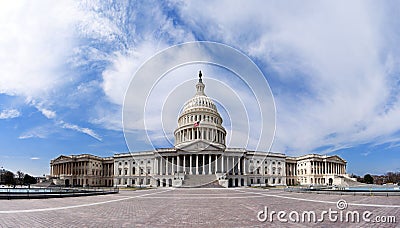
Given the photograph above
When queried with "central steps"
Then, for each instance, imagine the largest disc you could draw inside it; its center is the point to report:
(200, 181)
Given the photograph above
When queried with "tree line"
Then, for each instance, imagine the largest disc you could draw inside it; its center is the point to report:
(389, 177)
(9, 178)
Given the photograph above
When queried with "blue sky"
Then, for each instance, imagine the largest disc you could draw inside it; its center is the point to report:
(333, 68)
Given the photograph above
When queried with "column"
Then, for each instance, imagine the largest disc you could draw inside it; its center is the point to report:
(191, 165)
(166, 165)
(156, 165)
(216, 164)
(233, 165)
(319, 167)
(153, 169)
(160, 164)
(239, 164)
(172, 165)
(204, 163)
(322, 168)
(244, 165)
(209, 164)
(178, 161)
(222, 164)
(197, 164)
(184, 164)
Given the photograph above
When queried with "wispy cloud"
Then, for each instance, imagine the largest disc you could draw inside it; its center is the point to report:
(35, 158)
(49, 114)
(84, 130)
(40, 132)
(9, 113)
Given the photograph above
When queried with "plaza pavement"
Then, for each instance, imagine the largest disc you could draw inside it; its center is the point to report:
(167, 207)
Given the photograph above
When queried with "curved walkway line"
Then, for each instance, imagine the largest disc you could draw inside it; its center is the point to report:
(202, 197)
(322, 201)
(81, 205)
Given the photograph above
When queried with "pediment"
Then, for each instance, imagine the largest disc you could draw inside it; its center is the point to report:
(337, 158)
(61, 157)
(199, 145)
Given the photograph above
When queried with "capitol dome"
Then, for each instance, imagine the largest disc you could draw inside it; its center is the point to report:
(200, 121)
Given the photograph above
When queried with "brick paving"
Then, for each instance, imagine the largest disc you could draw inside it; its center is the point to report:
(186, 208)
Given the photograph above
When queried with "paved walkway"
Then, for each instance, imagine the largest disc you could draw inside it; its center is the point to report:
(191, 208)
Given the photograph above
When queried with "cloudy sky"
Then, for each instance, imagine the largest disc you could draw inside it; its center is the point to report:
(333, 68)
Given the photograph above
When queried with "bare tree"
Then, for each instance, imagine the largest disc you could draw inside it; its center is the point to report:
(20, 177)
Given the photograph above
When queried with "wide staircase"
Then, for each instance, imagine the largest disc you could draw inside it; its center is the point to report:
(349, 182)
(200, 181)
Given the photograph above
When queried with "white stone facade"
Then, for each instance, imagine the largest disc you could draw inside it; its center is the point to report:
(200, 157)
(82, 170)
(314, 169)
(170, 167)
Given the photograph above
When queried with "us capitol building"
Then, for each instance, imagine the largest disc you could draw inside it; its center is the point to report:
(199, 158)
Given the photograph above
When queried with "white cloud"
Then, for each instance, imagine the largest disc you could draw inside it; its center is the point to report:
(35, 158)
(48, 113)
(35, 42)
(117, 77)
(152, 33)
(334, 66)
(84, 130)
(9, 113)
(333, 83)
